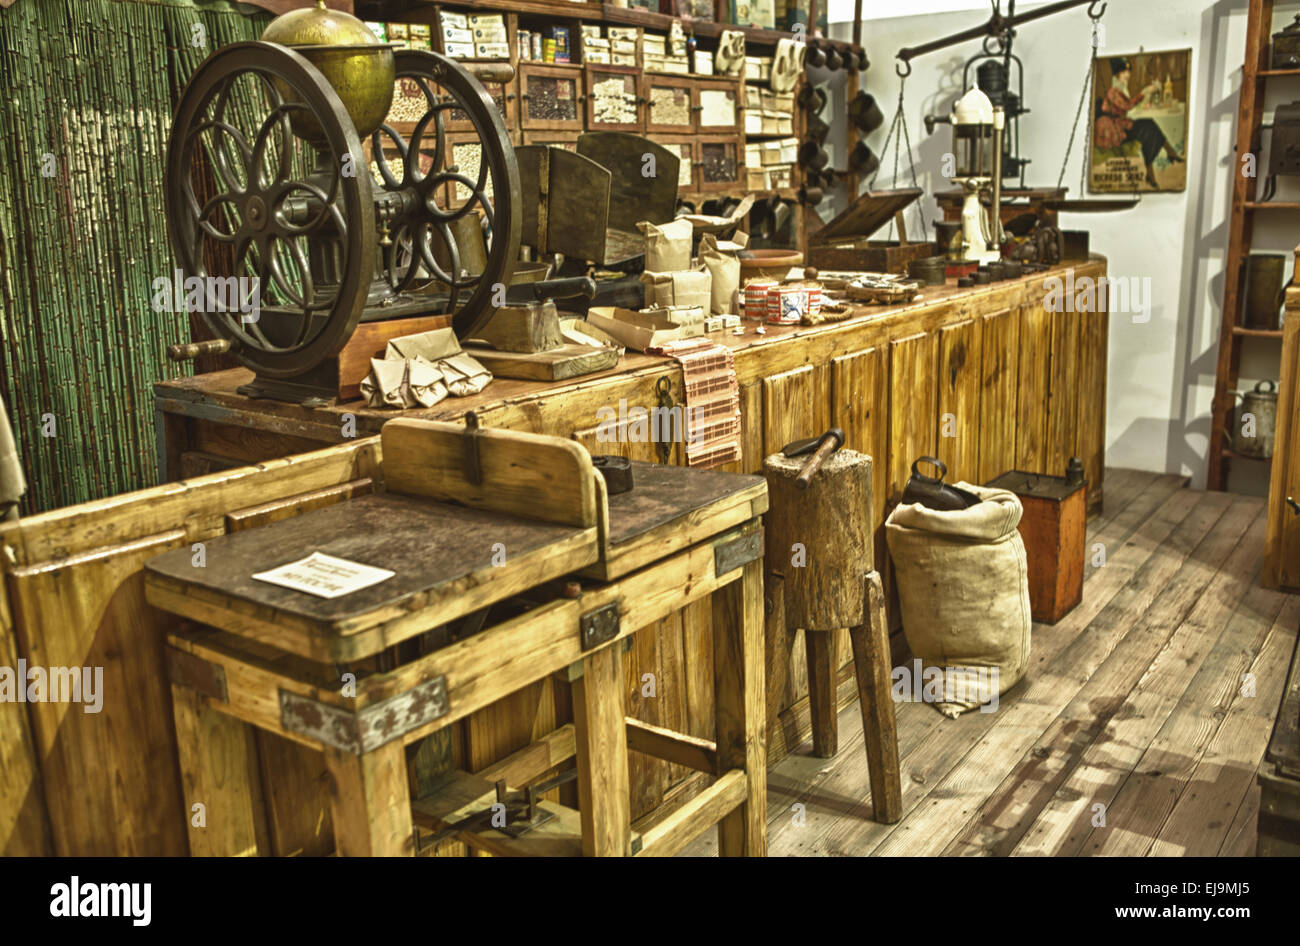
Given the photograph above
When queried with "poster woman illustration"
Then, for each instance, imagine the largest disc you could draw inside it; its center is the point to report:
(1114, 128)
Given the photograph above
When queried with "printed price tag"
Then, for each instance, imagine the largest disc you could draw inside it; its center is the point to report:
(325, 576)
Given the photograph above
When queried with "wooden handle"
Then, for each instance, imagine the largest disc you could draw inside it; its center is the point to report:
(829, 446)
(191, 350)
(491, 71)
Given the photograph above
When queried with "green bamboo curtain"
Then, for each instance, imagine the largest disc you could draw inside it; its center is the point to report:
(86, 95)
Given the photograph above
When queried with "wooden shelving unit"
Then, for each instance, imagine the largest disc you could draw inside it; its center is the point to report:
(1250, 109)
(534, 14)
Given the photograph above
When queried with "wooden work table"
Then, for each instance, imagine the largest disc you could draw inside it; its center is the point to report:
(987, 379)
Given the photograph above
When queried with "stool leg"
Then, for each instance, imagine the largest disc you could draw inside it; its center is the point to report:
(776, 673)
(739, 697)
(219, 770)
(820, 648)
(371, 802)
(600, 727)
(871, 661)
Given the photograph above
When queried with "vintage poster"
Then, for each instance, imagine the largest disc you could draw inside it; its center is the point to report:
(1139, 122)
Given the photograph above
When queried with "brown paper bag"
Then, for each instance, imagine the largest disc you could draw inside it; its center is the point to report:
(667, 245)
(724, 273)
(690, 288)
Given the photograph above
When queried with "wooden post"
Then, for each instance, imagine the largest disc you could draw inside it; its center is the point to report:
(871, 660)
(218, 760)
(600, 728)
(738, 691)
(371, 802)
(821, 651)
(776, 673)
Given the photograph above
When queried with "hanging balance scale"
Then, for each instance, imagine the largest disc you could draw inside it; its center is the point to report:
(268, 185)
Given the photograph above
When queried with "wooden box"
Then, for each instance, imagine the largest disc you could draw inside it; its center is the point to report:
(632, 103)
(1053, 528)
(844, 244)
(670, 103)
(1278, 827)
(550, 97)
(721, 162)
(718, 106)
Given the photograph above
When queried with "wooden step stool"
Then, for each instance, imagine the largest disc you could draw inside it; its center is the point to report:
(820, 570)
(468, 519)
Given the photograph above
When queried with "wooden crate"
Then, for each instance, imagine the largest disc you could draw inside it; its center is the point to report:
(1053, 528)
(872, 256)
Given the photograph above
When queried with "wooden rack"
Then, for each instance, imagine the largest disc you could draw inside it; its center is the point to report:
(1250, 111)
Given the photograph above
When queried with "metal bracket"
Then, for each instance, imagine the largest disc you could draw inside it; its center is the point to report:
(728, 556)
(473, 466)
(599, 626)
(195, 673)
(368, 729)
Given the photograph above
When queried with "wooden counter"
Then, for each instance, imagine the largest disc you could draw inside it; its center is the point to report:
(987, 379)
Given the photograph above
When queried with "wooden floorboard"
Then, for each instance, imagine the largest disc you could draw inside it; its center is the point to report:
(1134, 701)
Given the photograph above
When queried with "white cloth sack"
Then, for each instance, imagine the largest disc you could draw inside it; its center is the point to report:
(963, 589)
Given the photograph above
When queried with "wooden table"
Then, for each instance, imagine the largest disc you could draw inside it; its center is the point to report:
(363, 676)
(988, 379)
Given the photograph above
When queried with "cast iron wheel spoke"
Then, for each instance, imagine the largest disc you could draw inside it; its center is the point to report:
(381, 157)
(247, 92)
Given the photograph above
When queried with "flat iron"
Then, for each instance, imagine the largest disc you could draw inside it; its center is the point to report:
(935, 493)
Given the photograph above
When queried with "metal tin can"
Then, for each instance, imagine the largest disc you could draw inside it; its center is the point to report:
(1255, 421)
(756, 297)
(787, 305)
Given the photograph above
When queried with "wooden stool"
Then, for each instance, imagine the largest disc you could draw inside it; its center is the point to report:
(819, 548)
(364, 676)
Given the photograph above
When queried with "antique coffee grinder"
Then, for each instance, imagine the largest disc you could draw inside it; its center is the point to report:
(268, 183)
(977, 151)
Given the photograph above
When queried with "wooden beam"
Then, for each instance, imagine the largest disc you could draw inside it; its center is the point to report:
(694, 753)
(535, 759)
(603, 789)
(692, 818)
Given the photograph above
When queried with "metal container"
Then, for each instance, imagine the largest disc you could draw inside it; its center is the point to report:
(1265, 289)
(1253, 435)
(1286, 46)
(931, 270)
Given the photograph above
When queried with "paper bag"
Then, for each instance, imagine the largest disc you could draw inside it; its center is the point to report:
(678, 289)
(668, 245)
(724, 273)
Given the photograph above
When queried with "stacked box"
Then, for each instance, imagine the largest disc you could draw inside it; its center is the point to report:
(771, 153)
(780, 176)
(560, 35)
(753, 121)
(379, 29)
(758, 68)
(703, 63)
(753, 154)
(491, 41)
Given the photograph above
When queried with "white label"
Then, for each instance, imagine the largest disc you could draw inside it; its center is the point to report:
(325, 576)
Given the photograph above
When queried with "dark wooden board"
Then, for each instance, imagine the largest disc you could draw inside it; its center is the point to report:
(1284, 746)
(428, 545)
(866, 215)
(663, 494)
(566, 361)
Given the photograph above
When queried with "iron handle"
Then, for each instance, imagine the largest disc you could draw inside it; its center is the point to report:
(1295, 506)
(191, 350)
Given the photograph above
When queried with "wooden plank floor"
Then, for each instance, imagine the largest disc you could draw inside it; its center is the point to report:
(1151, 704)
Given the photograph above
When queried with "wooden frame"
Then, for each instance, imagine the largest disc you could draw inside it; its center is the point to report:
(564, 73)
(456, 140)
(593, 73)
(509, 98)
(735, 141)
(689, 163)
(565, 139)
(651, 80)
(702, 86)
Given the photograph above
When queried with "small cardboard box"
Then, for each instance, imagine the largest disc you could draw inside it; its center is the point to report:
(639, 330)
(771, 153)
(703, 63)
(756, 178)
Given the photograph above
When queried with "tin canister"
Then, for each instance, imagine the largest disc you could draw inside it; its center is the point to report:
(1253, 436)
(1265, 289)
(756, 297)
(787, 305)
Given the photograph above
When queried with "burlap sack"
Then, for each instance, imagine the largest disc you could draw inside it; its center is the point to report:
(963, 590)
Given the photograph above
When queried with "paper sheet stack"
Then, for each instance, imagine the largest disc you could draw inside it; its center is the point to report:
(420, 370)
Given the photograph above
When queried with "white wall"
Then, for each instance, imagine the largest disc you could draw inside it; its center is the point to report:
(1161, 374)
